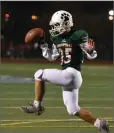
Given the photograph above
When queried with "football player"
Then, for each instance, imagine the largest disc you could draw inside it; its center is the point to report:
(71, 45)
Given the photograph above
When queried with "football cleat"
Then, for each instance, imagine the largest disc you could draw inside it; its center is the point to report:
(104, 127)
(32, 109)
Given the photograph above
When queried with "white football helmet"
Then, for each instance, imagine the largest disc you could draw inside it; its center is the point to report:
(61, 22)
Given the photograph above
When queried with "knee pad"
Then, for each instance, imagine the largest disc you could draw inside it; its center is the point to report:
(38, 74)
(73, 111)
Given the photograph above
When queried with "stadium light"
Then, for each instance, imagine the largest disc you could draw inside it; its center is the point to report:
(7, 15)
(110, 17)
(34, 17)
(111, 12)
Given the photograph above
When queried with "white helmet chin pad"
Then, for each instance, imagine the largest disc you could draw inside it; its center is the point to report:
(61, 22)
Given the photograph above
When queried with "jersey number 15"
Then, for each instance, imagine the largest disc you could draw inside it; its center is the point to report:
(65, 55)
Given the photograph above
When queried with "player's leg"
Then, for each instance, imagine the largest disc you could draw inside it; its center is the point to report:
(60, 77)
(70, 98)
(36, 107)
(71, 102)
(70, 93)
(39, 92)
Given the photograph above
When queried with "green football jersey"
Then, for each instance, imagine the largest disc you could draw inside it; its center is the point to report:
(69, 48)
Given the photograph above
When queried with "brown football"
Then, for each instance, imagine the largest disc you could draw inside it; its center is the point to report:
(33, 34)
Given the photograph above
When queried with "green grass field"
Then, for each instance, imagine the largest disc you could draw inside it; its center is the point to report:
(96, 94)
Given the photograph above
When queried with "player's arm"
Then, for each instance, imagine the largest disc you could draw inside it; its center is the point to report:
(91, 56)
(38, 35)
(88, 46)
(50, 54)
(89, 50)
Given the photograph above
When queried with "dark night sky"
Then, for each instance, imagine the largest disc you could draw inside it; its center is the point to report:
(21, 13)
(91, 16)
(36, 6)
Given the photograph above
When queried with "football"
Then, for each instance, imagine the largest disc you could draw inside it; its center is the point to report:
(34, 34)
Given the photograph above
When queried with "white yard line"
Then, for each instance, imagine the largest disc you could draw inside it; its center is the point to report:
(20, 123)
(24, 92)
(58, 99)
(106, 118)
(48, 92)
(93, 85)
(59, 107)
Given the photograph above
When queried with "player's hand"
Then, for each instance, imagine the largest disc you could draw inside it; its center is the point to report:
(44, 46)
(88, 46)
(91, 46)
(41, 40)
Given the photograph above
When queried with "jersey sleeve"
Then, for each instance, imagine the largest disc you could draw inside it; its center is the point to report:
(50, 54)
(83, 41)
(80, 35)
(84, 37)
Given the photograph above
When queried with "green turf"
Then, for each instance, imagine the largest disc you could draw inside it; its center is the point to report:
(96, 93)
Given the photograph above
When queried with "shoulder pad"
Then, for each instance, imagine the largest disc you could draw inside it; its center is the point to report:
(79, 34)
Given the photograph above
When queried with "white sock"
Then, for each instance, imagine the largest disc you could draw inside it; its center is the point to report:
(97, 123)
(37, 103)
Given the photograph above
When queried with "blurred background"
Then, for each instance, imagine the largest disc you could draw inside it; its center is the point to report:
(17, 18)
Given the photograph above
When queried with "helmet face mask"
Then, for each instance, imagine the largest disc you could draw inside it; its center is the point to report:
(56, 29)
(61, 22)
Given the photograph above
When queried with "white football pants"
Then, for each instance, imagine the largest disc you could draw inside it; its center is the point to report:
(69, 79)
